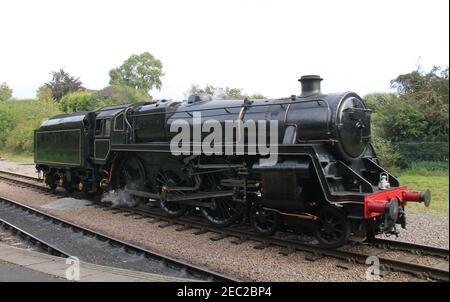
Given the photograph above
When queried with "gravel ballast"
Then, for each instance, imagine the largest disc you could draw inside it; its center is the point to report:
(11, 166)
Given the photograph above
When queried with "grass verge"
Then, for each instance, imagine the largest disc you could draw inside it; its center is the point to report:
(17, 157)
(439, 187)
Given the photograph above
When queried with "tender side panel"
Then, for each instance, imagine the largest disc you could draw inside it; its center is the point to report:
(59, 147)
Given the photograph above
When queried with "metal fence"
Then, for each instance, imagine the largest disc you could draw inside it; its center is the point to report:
(422, 151)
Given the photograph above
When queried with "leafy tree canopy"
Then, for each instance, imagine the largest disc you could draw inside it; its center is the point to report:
(379, 100)
(417, 112)
(5, 92)
(63, 83)
(143, 72)
(78, 101)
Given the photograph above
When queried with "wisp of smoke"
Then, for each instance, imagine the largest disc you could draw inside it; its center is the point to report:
(119, 198)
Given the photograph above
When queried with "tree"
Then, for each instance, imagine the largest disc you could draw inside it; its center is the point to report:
(403, 121)
(379, 100)
(141, 71)
(426, 94)
(78, 101)
(63, 83)
(5, 92)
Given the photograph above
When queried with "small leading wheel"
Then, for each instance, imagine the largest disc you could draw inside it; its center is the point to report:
(265, 222)
(171, 208)
(332, 229)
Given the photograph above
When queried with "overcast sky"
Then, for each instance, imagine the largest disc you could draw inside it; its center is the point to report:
(261, 46)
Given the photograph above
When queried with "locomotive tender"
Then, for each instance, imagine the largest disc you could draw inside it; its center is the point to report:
(327, 172)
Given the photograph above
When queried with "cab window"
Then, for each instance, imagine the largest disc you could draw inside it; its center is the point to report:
(119, 123)
(107, 127)
(99, 127)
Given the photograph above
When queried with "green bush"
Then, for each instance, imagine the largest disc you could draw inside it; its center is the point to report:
(44, 93)
(115, 95)
(402, 121)
(379, 100)
(78, 101)
(386, 152)
(6, 124)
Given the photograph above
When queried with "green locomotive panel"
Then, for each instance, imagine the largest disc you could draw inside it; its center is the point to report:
(59, 147)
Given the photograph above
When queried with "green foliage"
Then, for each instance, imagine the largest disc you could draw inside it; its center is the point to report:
(6, 124)
(419, 111)
(257, 96)
(78, 101)
(421, 151)
(110, 95)
(63, 83)
(426, 94)
(221, 93)
(403, 120)
(23, 117)
(386, 152)
(5, 92)
(141, 71)
(115, 95)
(378, 101)
(44, 93)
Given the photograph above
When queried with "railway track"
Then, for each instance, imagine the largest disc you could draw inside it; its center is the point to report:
(187, 270)
(359, 253)
(41, 243)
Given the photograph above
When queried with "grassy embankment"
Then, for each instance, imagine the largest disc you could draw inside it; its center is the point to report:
(26, 115)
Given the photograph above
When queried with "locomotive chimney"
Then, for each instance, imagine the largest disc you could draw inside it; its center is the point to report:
(310, 85)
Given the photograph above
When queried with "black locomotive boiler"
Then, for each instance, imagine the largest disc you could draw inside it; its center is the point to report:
(326, 171)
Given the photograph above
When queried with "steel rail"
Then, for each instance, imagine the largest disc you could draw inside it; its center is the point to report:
(191, 268)
(33, 239)
(412, 247)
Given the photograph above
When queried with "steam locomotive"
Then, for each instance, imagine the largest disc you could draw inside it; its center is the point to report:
(326, 172)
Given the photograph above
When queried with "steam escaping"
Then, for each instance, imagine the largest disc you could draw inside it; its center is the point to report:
(210, 93)
(119, 198)
(219, 94)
